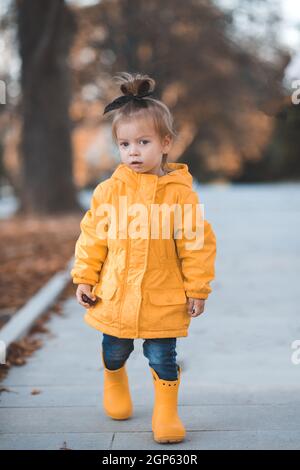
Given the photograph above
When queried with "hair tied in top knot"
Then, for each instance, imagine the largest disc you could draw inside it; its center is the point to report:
(133, 87)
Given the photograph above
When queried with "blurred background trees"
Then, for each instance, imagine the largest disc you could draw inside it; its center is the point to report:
(219, 66)
(218, 92)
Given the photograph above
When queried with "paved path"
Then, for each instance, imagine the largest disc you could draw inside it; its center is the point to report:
(239, 390)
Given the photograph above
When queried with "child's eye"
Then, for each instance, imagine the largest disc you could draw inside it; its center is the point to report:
(126, 143)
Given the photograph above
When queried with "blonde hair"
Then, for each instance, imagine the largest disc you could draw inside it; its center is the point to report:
(156, 110)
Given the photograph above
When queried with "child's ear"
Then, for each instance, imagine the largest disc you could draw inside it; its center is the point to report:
(167, 143)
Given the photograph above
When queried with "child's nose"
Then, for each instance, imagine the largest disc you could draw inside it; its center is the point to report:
(134, 150)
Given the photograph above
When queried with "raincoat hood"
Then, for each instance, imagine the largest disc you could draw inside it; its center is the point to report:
(179, 174)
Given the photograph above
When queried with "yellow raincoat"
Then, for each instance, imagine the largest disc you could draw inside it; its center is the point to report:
(142, 282)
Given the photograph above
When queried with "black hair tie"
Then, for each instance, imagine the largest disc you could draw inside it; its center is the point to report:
(121, 100)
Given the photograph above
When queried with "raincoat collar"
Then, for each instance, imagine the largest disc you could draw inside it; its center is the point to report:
(179, 174)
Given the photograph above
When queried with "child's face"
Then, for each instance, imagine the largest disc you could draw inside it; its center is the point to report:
(138, 141)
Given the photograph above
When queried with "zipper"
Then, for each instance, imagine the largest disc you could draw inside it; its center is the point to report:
(127, 261)
(147, 254)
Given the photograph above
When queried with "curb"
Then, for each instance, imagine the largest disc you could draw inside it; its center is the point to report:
(23, 319)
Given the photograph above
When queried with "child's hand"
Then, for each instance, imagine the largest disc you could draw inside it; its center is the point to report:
(195, 306)
(83, 293)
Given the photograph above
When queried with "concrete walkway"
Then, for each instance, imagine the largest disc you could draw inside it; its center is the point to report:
(239, 388)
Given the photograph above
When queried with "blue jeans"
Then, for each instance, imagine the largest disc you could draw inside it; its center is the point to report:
(160, 352)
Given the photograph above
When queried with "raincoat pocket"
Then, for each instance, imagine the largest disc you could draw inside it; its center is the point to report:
(105, 308)
(166, 309)
(104, 291)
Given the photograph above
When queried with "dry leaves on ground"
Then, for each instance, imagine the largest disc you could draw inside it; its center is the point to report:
(33, 250)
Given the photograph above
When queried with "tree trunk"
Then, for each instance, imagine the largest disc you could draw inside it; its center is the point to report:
(45, 33)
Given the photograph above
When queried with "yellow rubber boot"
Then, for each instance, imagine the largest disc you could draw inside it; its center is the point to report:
(166, 424)
(117, 402)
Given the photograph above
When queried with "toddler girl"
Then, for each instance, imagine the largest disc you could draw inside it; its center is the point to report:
(145, 257)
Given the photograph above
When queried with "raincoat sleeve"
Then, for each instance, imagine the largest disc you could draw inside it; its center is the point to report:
(196, 249)
(91, 249)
